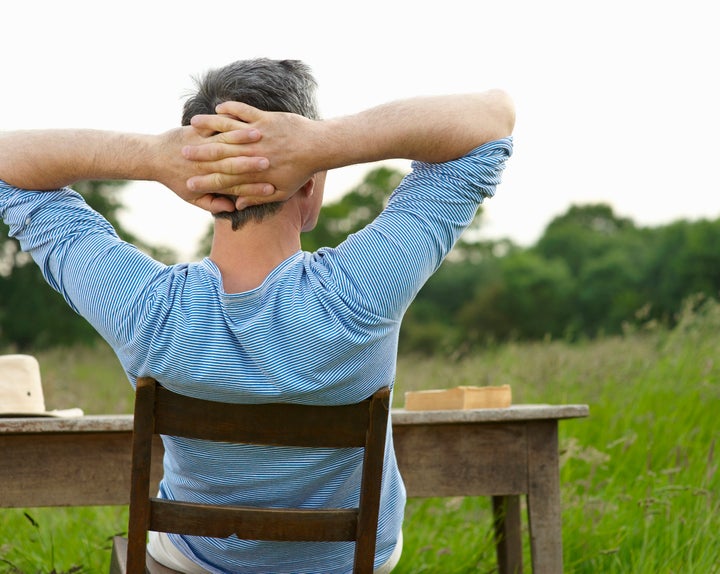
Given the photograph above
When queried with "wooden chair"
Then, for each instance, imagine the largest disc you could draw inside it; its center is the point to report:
(160, 411)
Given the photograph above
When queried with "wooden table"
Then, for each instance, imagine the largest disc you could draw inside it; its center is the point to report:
(502, 453)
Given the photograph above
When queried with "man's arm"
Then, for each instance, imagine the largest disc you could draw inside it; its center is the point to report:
(51, 159)
(431, 129)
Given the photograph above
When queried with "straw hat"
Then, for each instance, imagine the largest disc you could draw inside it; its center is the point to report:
(21, 393)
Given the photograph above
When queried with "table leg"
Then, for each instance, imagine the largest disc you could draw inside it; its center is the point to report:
(544, 513)
(508, 533)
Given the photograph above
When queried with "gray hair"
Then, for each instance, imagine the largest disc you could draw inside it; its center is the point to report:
(269, 85)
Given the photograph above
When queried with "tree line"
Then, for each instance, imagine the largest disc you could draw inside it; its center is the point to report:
(591, 273)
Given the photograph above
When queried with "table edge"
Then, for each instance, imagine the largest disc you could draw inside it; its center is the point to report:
(516, 413)
(399, 417)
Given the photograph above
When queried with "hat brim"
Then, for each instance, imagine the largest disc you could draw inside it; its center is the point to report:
(58, 413)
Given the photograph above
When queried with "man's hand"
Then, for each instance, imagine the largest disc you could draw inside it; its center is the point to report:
(246, 134)
(173, 170)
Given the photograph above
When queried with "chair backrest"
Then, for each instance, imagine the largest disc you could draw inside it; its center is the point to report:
(161, 411)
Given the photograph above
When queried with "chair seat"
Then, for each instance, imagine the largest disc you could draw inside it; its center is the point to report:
(118, 564)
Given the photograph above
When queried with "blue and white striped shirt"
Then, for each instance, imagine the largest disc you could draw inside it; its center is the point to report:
(322, 329)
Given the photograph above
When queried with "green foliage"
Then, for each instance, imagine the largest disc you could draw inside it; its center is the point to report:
(685, 260)
(581, 233)
(527, 300)
(59, 540)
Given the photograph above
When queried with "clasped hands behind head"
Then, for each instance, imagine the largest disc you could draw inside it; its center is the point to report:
(254, 156)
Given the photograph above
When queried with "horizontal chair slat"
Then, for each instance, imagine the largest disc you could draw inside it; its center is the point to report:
(270, 424)
(255, 523)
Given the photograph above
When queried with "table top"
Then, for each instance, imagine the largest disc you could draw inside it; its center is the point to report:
(517, 413)
(124, 423)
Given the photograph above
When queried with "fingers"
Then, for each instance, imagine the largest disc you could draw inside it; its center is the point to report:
(222, 137)
(247, 199)
(220, 204)
(241, 111)
(214, 203)
(236, 143)
(261, 191)
(221, 180)
(248, 195)
(228, 161)
(216, 123)
(215, 151)
(228, 185)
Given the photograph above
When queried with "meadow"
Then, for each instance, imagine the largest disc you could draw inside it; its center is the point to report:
(639, 477)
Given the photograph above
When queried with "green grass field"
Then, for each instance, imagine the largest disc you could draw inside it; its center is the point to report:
(640, 481)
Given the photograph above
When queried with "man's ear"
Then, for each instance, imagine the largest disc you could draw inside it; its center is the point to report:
(308, 188)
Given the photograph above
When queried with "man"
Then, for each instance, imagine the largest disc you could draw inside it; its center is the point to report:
(260, 320)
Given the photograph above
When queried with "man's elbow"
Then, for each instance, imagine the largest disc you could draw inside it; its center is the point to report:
(503, 113)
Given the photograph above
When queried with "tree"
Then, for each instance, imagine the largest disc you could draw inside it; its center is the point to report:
(684, 262)
(582, 233)
(526, 299)
(610, 290)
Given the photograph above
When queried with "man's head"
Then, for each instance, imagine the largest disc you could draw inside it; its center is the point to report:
(269, 85)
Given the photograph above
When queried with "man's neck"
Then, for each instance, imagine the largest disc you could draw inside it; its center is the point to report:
(247, 256)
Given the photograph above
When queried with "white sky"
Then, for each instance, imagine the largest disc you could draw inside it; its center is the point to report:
(617, 101)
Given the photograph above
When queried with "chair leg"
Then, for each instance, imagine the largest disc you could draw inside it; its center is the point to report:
(118, 559)
(154, 567)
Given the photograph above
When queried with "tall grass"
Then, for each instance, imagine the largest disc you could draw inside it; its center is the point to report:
(640, 487)
(639, 477)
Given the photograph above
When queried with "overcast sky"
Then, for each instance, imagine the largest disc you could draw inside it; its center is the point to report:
(617, 101)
